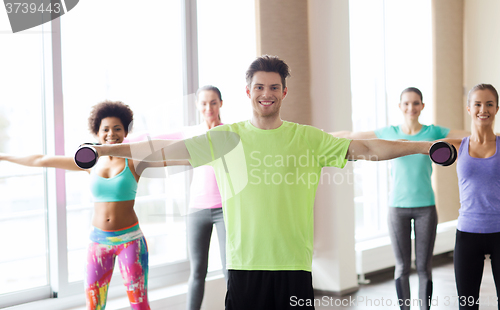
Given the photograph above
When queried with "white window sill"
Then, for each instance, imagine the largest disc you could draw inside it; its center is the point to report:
(171, 297)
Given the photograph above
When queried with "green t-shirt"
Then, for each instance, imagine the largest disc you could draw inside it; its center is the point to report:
(411, 175)
(268, 181)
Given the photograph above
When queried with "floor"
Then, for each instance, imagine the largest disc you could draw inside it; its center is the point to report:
(380, 293)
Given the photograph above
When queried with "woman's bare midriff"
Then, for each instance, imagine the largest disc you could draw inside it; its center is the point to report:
(114, 215)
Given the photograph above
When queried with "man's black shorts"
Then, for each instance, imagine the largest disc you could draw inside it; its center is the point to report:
(273, 290)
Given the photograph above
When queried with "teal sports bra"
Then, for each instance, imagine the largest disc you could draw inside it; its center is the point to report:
(121, 187)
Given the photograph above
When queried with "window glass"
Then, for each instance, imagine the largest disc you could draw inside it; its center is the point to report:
(23, 259)
(389, 52)
(125, 55)
(224, 54)
(226, 47)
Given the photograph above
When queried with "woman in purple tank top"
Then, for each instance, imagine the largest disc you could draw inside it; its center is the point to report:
(478, 169)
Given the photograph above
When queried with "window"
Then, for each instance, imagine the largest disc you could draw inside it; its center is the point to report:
(390, 51)
(133, 60)
(107, 51)
(24, 260)
(224, 54)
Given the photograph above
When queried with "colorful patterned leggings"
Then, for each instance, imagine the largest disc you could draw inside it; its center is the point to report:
(133, 261)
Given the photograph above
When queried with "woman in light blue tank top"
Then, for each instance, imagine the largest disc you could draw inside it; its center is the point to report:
(115, 232)
(412, 196)
(478, 228)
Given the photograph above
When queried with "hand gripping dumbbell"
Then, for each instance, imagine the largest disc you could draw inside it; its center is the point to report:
(443, 153)
(86, 156)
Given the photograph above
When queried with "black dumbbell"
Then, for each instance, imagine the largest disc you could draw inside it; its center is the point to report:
(86, 156)
(443, 153)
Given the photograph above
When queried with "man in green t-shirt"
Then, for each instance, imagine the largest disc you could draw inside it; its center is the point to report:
(267, 171)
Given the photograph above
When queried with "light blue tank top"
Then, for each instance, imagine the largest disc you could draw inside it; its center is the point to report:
(121, 187)
(479, 184)
(411, 175)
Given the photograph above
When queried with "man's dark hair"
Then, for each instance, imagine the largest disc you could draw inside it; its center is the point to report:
(268, 63)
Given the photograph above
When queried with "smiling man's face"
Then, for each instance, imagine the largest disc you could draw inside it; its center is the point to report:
(266, 94)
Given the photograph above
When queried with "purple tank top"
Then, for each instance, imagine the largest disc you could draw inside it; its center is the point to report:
(479, 184)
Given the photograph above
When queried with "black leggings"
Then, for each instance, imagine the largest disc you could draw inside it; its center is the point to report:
(470, 251)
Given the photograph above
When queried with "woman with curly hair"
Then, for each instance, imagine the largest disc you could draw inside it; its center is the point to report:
(115, 231)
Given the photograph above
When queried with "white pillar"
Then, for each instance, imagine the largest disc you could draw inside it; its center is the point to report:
(334, 262)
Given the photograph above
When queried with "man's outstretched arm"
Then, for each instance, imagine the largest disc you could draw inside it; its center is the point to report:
(378, 149)
(149, 151)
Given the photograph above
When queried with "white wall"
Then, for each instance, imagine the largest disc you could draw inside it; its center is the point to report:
(334, 267)
(481, 46)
